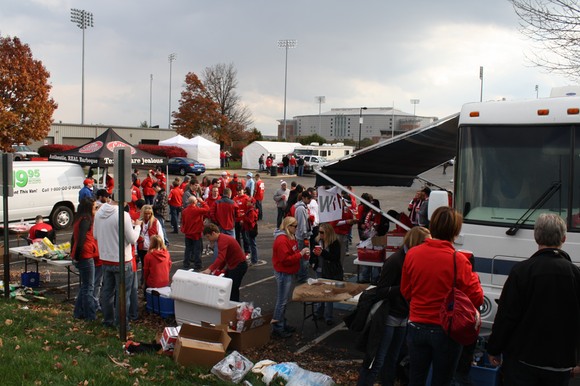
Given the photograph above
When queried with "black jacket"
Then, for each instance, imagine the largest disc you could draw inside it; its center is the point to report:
(538, 319)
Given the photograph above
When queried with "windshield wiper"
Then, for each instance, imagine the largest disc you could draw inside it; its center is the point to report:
(539, 202)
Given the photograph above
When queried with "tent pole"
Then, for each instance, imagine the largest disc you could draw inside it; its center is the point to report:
(392, 219)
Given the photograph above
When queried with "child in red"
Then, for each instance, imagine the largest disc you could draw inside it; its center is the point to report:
(156, 265)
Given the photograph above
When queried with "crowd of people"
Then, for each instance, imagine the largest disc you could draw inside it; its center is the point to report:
(224, 210)
(291, 164)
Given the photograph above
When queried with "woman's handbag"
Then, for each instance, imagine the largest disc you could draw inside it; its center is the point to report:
(458, 316)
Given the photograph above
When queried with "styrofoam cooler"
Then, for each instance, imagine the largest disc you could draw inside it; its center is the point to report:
(199, 288)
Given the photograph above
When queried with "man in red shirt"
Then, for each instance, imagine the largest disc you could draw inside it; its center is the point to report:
(230, 258)
(223, 213)
(41, 230)
(241, 200)
(192, 227)
(175, 201)
(259, 190)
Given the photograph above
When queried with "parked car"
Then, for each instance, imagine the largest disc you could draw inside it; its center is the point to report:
(313, 161)
(24, 153)
(183, 166)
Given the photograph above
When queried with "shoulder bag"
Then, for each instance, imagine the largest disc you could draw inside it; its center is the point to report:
(458, 316)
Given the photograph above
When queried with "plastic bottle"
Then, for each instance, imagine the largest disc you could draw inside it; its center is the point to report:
(47, 276)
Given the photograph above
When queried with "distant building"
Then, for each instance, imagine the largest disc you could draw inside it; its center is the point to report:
(78, 135)
(343, 123)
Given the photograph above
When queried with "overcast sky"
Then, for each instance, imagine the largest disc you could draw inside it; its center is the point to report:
(372, 53)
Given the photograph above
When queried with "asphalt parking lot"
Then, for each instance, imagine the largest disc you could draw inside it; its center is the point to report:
(259, 285)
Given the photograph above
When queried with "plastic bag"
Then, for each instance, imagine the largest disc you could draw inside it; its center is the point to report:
(368, 243)
(302, 377)
(232, 368)
(283, 370)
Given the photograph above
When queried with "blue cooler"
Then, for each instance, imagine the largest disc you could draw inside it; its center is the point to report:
(159, 301)
(30, 279)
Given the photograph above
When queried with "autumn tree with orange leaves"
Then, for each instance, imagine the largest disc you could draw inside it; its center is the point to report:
(26, 107)
(198, 113)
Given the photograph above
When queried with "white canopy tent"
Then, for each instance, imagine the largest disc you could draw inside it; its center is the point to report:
(252, 152)
(198, 148)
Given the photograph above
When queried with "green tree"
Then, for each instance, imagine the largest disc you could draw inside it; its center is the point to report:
(312, 138)
(198, 113)
(26, 107)
(255, 135)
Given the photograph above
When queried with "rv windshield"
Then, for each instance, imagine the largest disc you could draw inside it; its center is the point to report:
(503, 170)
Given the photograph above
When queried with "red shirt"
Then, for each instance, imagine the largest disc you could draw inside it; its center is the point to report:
(230, 254)
(156, 268)
(250, 219)
(285, 254)
(192, 220)
(147, 186)
(428, 277)
(211, 201)
(175, 197)
(38, 227)
(241, 201)
(259, 190)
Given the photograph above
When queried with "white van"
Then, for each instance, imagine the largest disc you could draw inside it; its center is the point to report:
(48, 188)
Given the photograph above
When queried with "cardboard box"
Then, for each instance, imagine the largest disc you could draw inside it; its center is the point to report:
(186, 312)
(169, 337)
(201, 346)
(379, 241)
(255, 333)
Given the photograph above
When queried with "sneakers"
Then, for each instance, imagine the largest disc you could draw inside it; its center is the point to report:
(281, 334)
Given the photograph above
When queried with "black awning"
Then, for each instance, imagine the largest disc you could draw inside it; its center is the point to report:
(399, 161)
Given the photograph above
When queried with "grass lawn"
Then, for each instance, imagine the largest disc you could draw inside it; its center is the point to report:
(42, 344)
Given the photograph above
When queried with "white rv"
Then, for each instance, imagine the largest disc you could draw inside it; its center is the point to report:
(47, 188)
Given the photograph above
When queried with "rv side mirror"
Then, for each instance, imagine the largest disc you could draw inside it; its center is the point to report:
(437, 199)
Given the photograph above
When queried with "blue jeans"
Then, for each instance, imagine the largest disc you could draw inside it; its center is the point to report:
(285, 170)
(111, 283)
(429, 345)
(302, 274)
(281, 214)
(174, 213)
(260, 211)
(251, 246)
(133, 305)
(98, 286)
(192, 252)
(386, 357)
(301, 170)
(85, 305)
(284, 290)
(291, 169)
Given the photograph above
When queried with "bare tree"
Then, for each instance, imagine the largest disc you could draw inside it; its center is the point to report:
(221, 83)
(555, 25)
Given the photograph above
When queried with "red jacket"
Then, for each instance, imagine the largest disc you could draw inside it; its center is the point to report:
(428, 277)
(211, 201)
(230, 254)
(84, 245)
(156, 268)
(223, 213)
(285, 254)
(250, 219)
(340, 226)
(175, 197)
(192, 220)
(147, 186)
(233, 185)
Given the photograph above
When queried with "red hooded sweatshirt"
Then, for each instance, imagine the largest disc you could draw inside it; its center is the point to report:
(285, 254)
(156, 267)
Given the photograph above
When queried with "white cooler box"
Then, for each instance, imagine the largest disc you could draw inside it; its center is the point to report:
(201, 289)
(195, 314)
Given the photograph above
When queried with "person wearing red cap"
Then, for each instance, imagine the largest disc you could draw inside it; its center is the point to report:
(147, 186)
(87, 190)
(250, 228)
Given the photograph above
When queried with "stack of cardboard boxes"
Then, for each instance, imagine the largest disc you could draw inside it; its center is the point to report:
(208, 320)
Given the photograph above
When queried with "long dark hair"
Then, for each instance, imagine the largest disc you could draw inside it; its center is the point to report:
(85, 208)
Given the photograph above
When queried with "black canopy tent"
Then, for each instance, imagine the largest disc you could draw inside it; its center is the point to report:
(398, 161)
(100, 153)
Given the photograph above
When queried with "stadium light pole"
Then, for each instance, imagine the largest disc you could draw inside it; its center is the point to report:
(320, 99)
(83, 19)
(414, 102)
(286, 44)
(481, 83)
(171, 58)
(360, 122)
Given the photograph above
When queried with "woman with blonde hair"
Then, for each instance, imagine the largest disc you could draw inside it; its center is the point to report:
(328, 254)
(151, 227)
(156, 264)
(286, 261)
(429, 272)
(389, 325)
